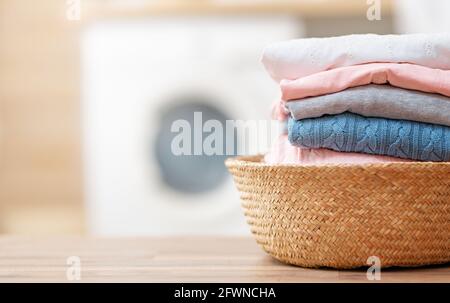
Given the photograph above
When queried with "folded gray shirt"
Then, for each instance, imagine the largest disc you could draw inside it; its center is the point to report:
(376, 101)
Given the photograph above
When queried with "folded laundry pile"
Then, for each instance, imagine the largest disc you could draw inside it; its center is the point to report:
(362, 98)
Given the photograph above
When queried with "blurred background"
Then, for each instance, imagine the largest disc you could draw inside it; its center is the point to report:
(89, 89)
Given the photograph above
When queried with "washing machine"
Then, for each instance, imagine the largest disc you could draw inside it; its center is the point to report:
(138, 77)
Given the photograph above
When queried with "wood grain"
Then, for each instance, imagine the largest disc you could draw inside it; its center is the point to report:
(200, 259)
(40, 153)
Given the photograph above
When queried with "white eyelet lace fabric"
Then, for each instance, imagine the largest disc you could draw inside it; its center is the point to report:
(302, 57)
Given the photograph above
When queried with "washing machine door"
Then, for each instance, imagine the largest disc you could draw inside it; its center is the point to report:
(191, 170)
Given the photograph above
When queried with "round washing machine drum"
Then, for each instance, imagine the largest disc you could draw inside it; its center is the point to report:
(193, 172)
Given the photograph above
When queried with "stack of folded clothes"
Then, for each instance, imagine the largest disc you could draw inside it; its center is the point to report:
(362, 98)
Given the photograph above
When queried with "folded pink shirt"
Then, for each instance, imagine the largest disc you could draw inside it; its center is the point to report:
(403, 75)
(279, 111)
(283, 152)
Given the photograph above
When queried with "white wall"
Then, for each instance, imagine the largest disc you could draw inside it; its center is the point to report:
(422, 16)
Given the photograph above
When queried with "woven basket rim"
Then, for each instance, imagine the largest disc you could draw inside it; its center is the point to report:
(258, 161)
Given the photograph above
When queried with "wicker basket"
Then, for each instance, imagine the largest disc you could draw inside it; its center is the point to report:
(338, 216)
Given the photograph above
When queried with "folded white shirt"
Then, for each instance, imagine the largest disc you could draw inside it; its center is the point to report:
(298, 58)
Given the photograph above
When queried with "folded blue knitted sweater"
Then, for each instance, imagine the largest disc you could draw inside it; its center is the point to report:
(350, 132)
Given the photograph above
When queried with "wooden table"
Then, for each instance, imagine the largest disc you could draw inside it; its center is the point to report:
(201, 259)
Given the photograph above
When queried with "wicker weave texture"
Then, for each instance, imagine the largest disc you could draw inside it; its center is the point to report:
(340, 215)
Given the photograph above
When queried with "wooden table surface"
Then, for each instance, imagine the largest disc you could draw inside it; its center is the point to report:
(200, 259)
